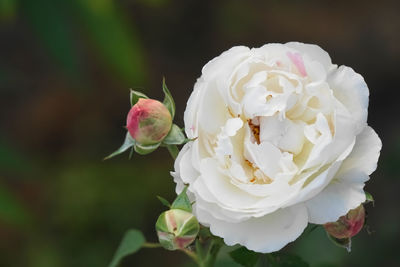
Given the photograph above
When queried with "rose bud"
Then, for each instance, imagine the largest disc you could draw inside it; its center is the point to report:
(177, 229)
(348, 225)
(148, 121)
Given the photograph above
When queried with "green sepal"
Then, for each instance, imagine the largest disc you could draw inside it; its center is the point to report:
(144, 150)
(182, 202)
(164, 201)
(168, 99)
(129, 142)
(132, 241)
(175, 136)
(343, 243)
(369, 198)
(244, 257)
(135, 95)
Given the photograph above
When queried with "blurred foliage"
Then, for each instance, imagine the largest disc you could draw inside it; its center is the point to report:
(65, 72)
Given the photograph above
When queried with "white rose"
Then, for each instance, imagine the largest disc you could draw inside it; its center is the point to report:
(281, 140)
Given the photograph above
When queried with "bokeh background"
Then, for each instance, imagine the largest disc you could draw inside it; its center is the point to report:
(65, 72)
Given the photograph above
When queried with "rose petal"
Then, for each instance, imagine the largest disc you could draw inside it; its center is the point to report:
(265, 234)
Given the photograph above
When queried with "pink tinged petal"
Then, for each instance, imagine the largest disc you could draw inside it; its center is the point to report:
(171, 222)
(297, 60)
(265, 234)
(183, 242)
(314, 52)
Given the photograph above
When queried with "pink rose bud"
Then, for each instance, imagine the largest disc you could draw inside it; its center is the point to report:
(177, 229)
(348, 225)
(148, 121)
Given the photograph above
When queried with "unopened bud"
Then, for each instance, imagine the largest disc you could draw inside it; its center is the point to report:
(177, 229)
(348, 225)
(148, 121)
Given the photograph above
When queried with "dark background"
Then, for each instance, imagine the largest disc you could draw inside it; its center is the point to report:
(65, 72)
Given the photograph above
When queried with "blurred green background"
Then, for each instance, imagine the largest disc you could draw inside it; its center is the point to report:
(65, 72)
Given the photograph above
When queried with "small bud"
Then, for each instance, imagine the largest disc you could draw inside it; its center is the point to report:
(177, 229)
(348, 225)
(148, 121)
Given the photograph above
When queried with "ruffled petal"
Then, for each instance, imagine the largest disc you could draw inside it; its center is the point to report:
(265, 234)
(345, 192)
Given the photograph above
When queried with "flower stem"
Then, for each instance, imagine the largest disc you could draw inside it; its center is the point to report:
(191, 254)
(213, 250)
(173, 150)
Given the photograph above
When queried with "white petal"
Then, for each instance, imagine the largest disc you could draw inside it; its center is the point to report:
(345, 192)
(213, 111)
(265, 156)
(365, 154)
(284, 134)
(351, 90)
(184, 170)
(220, 187)
(190, 115)
(265, 234)
(336, 199)
(223, 65)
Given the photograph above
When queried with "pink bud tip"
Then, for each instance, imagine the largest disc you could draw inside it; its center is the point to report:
(348, 225)
(148, 121)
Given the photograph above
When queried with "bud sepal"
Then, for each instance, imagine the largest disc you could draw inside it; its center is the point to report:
(177, 229)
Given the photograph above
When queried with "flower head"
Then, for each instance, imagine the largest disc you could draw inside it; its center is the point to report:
(280, 140)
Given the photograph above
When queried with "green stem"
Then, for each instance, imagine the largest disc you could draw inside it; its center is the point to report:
(191, 254)
(173, 150)
(151, 245)
(212, 253)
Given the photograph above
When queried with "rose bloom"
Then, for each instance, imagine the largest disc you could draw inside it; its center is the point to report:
(280, 140)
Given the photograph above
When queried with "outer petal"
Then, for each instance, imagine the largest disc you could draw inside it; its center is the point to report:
(365, 153)
(351, 90)
(184, 170)
(336, 200)
(266, 234)
(345, 192)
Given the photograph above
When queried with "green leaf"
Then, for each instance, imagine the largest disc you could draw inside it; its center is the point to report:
(135, 95)
(182, 202)
(343, 243)
(129, 142)
(245, 257)
(168, 100)
(280, 259)
(131, 242)
(164, 201)
(144, 150)
(175, 136)
(369, 198)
